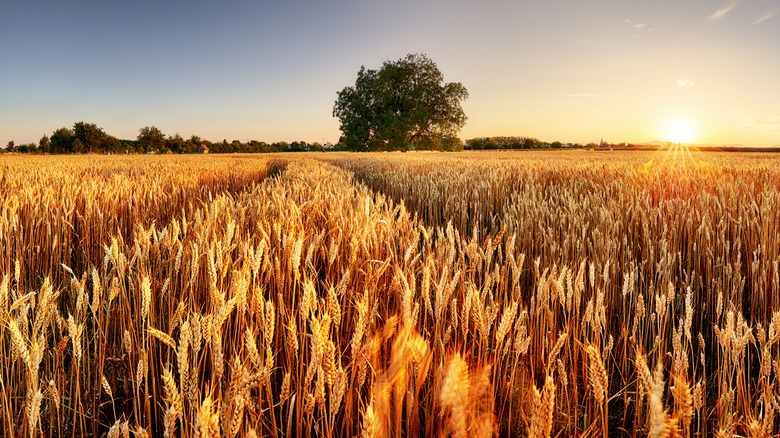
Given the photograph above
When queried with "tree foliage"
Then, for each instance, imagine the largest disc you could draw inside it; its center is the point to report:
(62, 141)
(44, 144)
(504, 143)
(89, 138)
(150, 138)
(403, 104)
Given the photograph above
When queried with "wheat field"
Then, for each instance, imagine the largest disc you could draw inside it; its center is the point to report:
(539, 294)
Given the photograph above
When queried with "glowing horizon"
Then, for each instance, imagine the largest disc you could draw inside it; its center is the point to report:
(572, 72)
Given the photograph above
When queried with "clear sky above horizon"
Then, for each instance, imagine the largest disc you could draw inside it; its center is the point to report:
(568, 70)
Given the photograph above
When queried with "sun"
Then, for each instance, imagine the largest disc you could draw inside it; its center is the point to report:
(679, 131)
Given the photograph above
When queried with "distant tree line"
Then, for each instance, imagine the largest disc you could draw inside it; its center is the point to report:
(514, 143)
(89, 138)
(532, 143)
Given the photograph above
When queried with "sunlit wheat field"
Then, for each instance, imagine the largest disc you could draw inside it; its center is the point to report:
(540, 294)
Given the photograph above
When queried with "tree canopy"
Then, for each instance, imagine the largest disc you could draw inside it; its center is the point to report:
(62, 141)
(150, 138)
(88, 137)
(403, 104)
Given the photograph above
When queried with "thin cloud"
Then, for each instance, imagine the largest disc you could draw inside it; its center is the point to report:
(771, 124)
(765, 17)
(684, 83)
(720, 13)
(639, 26)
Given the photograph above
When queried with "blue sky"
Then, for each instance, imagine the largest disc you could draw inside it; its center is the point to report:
(557, 70)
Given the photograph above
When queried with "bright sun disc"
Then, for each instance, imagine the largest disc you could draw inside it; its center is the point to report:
(679, 132)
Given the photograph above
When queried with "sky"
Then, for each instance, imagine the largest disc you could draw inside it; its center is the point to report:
(568, 70)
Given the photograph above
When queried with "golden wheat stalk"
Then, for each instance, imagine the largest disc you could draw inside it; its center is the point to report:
(162, 336)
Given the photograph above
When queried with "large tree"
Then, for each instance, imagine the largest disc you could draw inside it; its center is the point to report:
(151, 138)
(88, 137)
(62, 141)
(403, 104)
(44, 144)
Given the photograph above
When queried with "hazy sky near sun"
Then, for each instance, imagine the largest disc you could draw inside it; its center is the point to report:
(568, 70)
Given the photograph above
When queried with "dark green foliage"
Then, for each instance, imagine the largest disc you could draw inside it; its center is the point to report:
(150, 138)
(44, 145)
(62, 141)
(175, 144)
(89, 138)
(503, 143)
(404, 104)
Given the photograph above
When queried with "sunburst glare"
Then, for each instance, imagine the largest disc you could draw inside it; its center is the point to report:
(679, 131)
